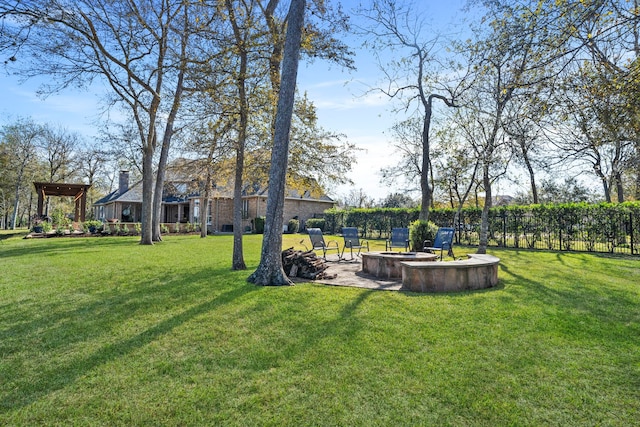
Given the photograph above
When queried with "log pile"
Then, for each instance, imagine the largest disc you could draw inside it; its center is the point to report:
(304, 264)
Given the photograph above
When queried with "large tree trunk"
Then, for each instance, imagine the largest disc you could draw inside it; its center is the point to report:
(424, 173)
(16, 201)
(270, 271)
(486, 182)
(237, 262)
(204, 214)
(484, 224)
(238, 258)
(14, 216)
(619, 187)
(162, 166)
(605, 183)
(204, 202)
(156, 235)
(531, 172)
(168, 134)
(147, 197)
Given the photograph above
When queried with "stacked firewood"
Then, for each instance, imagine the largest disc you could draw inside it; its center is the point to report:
(304, 264)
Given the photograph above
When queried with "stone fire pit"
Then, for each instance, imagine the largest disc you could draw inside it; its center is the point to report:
(387, 264)
(476, 272)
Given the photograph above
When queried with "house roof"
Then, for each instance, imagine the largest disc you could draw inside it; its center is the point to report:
(134, 195)
(307, 196)
(60, 189)
(295, 194)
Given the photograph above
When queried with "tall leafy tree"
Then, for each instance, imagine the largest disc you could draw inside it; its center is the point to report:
(592, 131)
(607, 83)
(249, 43)
(270, 271)
(407, 144)
(59, 148)
(397, 27)
(19, 150)
(518, 47)
(242, 22)
(133, 46)
(91, 163)
(318, 158)
(458, 169)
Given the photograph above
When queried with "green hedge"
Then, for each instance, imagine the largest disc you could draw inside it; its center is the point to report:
(316, 223)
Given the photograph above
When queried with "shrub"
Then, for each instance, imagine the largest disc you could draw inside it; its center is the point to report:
(41, 226)
(419, 231)
(293, 226)
(258, 224)
(164, 229)
(59, 219)
(91, 225)
(316, 223)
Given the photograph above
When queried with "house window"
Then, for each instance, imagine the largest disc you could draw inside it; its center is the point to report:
(245, 209)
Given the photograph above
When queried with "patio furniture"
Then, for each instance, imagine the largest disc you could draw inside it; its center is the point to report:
(318, 242)
(443, 240)
(399, 239)
(352, 241)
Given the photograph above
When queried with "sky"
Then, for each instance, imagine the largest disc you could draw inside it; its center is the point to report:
(339, 96)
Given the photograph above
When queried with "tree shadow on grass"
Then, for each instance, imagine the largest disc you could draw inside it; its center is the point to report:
(7, 236)
(454, 294)
(63, 329)
(584, 302)
(337, 320)
(46, 246)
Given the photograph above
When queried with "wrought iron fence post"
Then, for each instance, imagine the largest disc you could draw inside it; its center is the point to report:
(631, 232)
(504, 229)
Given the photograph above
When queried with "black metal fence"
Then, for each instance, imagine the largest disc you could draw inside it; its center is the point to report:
(616, 234)
(609, 228)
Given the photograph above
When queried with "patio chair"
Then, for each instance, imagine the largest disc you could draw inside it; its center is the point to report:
(443, 240)
(318, 242)
(399, 239)
(352, 241)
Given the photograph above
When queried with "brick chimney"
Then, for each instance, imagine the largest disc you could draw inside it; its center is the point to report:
(123, 182)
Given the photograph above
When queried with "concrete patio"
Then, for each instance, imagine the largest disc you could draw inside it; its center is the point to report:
(349, 273)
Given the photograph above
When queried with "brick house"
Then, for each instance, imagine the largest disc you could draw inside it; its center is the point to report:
(181, 204)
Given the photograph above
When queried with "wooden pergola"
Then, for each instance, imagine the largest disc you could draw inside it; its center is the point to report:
(77, 191)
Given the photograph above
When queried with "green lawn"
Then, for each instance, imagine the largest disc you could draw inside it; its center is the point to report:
(103, 331)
